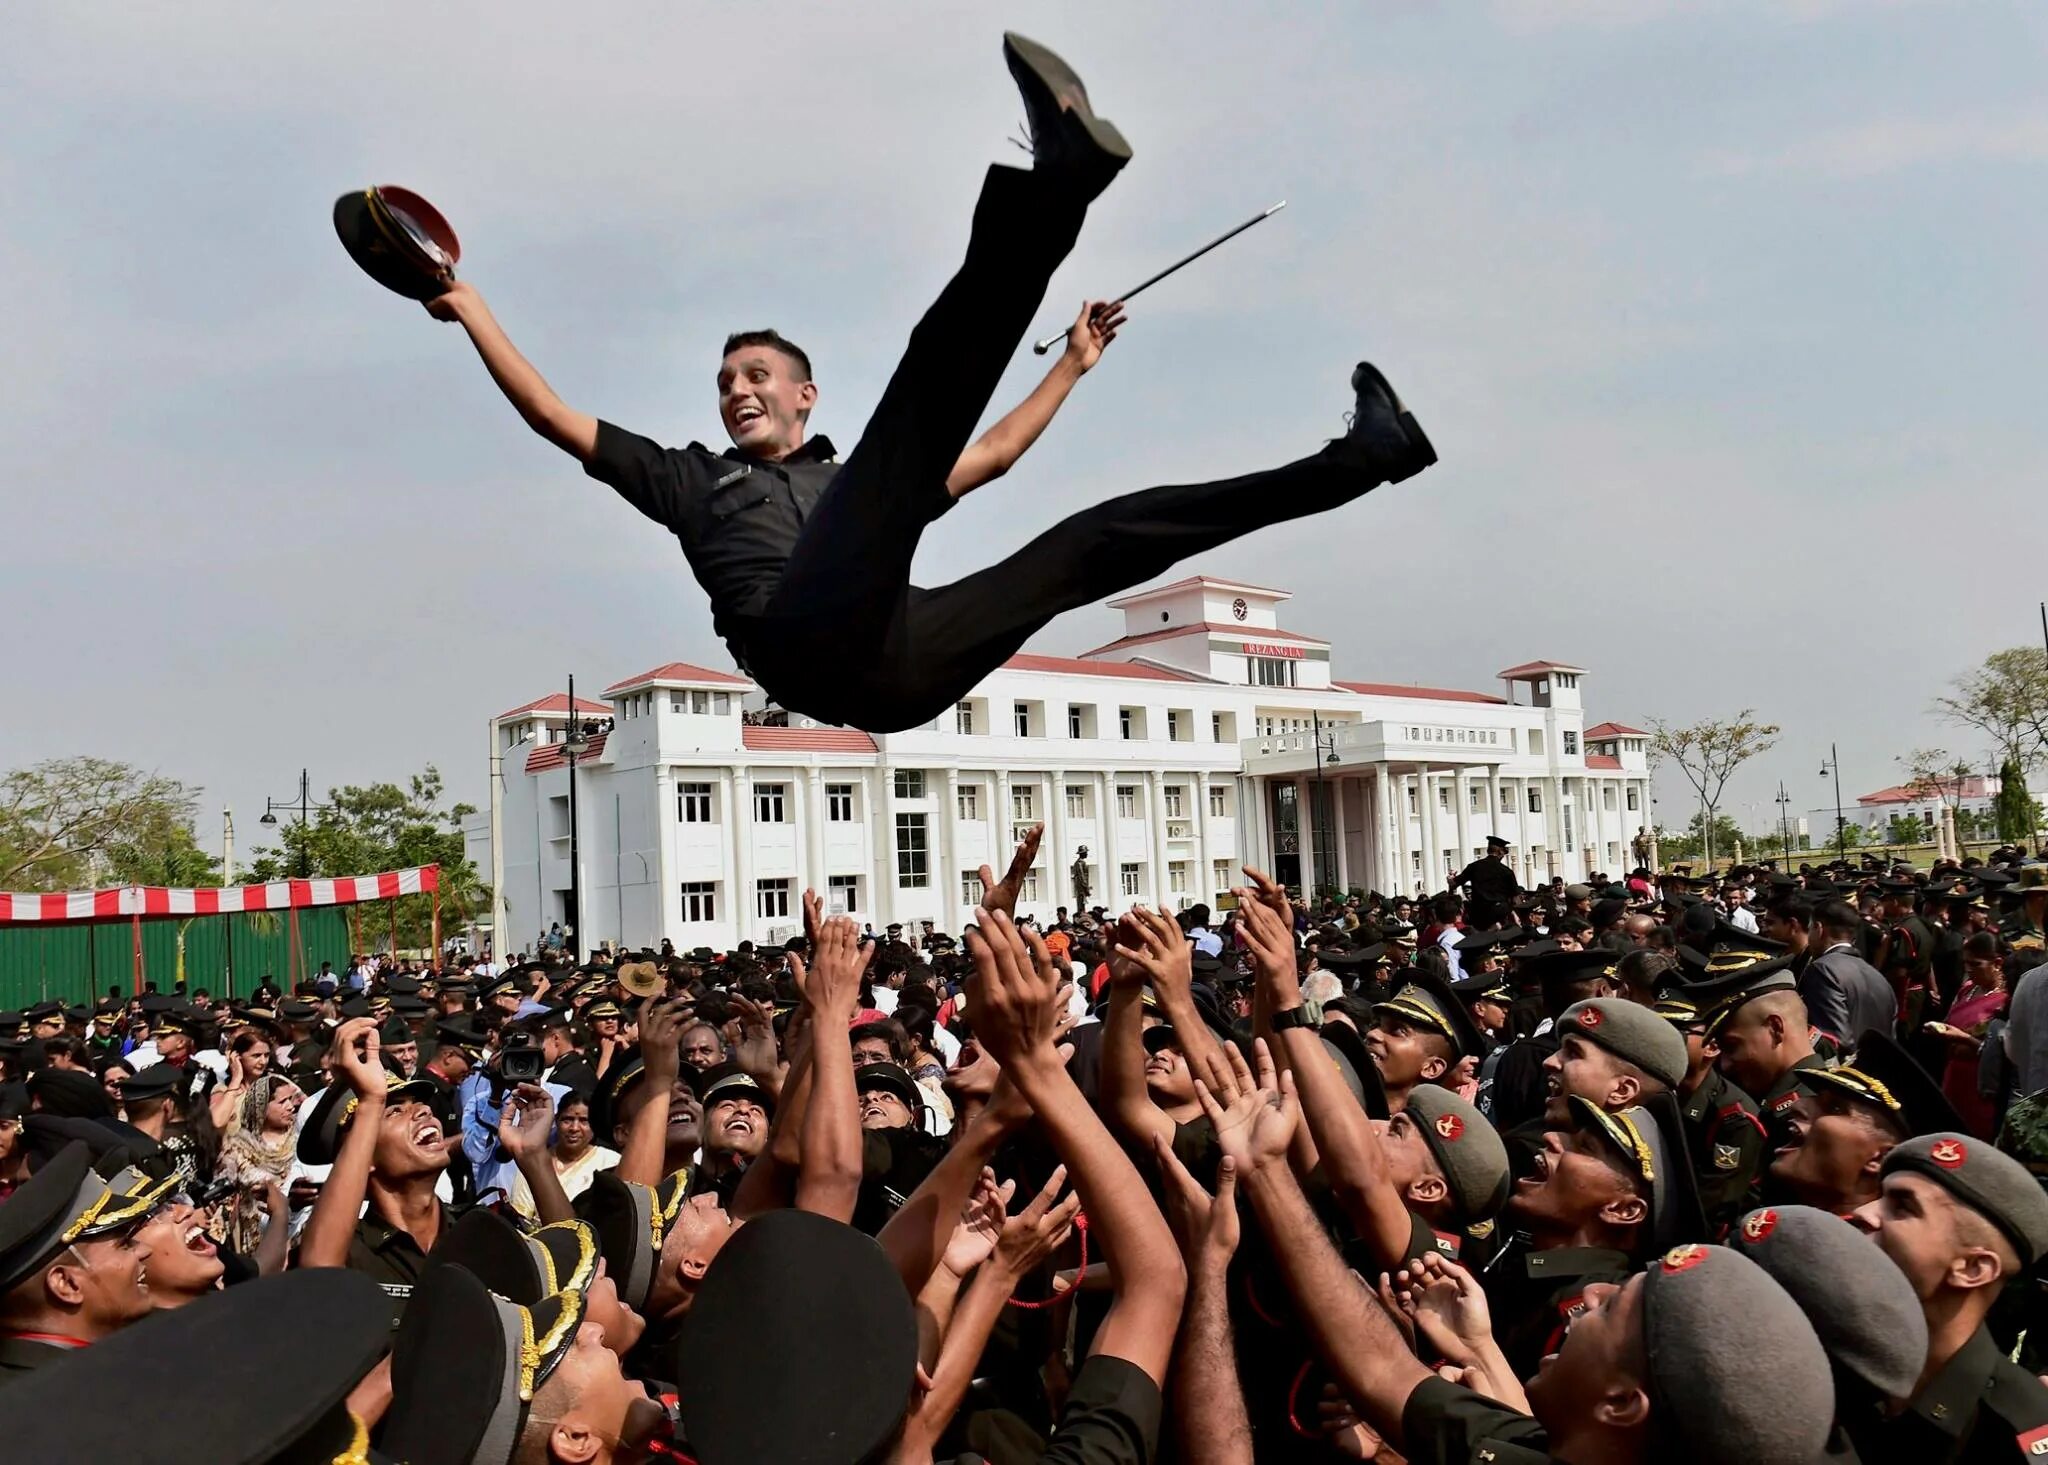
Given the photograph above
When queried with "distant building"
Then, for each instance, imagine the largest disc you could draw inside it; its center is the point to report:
(1171, 756)
(1873, 813)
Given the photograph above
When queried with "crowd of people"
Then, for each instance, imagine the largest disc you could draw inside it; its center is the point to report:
(1739, 1166)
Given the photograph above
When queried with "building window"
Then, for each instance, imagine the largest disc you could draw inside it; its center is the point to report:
(970, 801)
(1074, 722)
(677, 704)
(839, 803)
(1607, 797)
(1174, 725)
(1126, 801)
(1123, 723)
(1028, 889)
(1129, 876)
(1023, 715)
(1272, 671)
(1536, 742)
(1571, 743)
(769, 803)
(1565, 814)
(693, 803)
(1414, 800)
(842, 894)
(1634, 801)
(910, 783)
(963, 718)
(1221, 875)
(1177, 876)
(721, 704)
(970, 889)
(1077, 801)
(1215, 727)
(1478, 798)
(1175, 804)
(912, 870)
(1024, 803)
(1219, 802)
(1507, 799)
(1535, 800)
(1443, 797)
(771, 899)
(700, 901)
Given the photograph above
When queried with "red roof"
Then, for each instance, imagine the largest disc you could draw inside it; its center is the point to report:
(1219, 582)
(1243, 633)
(1537, 669)
(805, 740)
(678, 671)
(555, 755)
(557, 702)
(1074, 666)
(1974, 787)
(1602, 760)
(1615, 730)
(1432, 694)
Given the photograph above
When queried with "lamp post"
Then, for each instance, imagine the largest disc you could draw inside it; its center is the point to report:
(306, 807)
(1831, 767)
(1784, 823)
(576, 744)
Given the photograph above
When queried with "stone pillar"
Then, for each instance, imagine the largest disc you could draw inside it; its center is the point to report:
(1155, 812)
(1461, 795)
(1337, 834)
(1553, 826)
(1200, 881)
(814, 833)
(881, 792)
(1432, 841)
(1055, 850)
(743, 918)
(1109, 890)
(1406, 863)
(1493, 816)
(946, 867)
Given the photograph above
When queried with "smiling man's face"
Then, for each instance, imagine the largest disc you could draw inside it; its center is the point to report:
(735, 1126)
(764, 401)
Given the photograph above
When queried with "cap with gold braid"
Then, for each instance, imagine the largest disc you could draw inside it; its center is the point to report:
(1650, 1137)
(1883, 1075)
(1426, 1001)
(399, 239)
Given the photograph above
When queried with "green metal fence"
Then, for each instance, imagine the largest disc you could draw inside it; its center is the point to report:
(223, 954)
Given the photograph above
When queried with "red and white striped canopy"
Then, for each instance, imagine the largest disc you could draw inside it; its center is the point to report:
(125, 902)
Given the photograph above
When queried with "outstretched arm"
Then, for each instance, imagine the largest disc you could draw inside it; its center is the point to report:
(996, 451)
(575, 433)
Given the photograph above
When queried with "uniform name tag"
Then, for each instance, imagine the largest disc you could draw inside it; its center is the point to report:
(2034, 1443)
(733, 477)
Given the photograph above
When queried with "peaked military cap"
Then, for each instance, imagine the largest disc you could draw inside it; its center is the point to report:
(66, 1202)
(630, 1221)
(1650, 1138)
(519, 1267)
(1425, 1000)
(1882, 1074)
(321, 1135)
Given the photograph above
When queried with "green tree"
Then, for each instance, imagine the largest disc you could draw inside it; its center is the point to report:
(69, 822)
(1707, 753)
(385, 826)
(2015, 813)
(1907, 829)
(2006, 699)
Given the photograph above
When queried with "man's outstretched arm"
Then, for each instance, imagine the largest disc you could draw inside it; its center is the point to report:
(575, 433)
(996, 451)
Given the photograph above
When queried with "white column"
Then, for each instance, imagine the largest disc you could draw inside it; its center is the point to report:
(1382, 829)
(1597, 789)
(1432, 841)
(1200, 880)
(1109, 890)
(1155, 801)
(1553, 825)
(1058, 851)
(1461, 795)
(1337, 834)
(741, 819)
(881, 792)
(950, 875)
(814, 833)
(1526, 875)
(1405, 885)
(1493, 824)
(1305, 835)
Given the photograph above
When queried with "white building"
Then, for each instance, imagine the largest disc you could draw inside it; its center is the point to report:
(1159, 763)
(1873, 813)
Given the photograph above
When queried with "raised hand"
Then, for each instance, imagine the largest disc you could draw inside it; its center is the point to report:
(1271, 896)
(1256, 1123)
(1205, 1225)
(1001, 895)
(755, 1052)
(356, 1048)
(1155, 944)
(661, 1031)
(981, 1225)
(1014, 1001)
(1270, 939)
(526, 1119)
(1032, 1235)
(832, 985)
(1347, 1434)
(1094, 328)
(1449, 1295)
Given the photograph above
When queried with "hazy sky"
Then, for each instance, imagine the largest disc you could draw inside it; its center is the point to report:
(1726, 319)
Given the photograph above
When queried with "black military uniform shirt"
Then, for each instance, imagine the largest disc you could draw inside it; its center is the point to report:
(1536, 1295)
(1491, 880)
(1980, 1408)
(1445, 1424)
(19, 1356)
(1726, 1136)
(1777, 1104)
(736, 517)
(390, 1257)
(1515, 1089)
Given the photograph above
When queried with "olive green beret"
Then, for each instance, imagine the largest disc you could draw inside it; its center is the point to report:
(1993, 1184)
(1866, 1316)
(1631, 1032)
(1467, 1149)
(1737, 1374)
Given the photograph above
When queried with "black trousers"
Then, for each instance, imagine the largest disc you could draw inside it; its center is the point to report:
(845, 637)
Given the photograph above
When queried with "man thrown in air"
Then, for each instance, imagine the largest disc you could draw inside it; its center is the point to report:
(807, 560)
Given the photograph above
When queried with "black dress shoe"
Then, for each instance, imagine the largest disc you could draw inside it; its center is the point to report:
(1067, 138)
(1383, 430)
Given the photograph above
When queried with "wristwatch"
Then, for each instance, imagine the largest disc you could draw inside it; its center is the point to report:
(1308, 1015)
